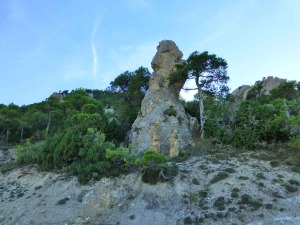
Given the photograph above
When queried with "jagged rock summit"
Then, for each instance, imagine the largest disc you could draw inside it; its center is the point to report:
(163, 125)
(268, 84)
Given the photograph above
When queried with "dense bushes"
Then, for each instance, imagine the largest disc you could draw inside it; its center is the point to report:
(83, 151)
(77, 136)
(259, 118)
(155, 167)
(89, 156)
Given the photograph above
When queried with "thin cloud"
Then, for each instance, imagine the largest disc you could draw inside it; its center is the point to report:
(94, 50)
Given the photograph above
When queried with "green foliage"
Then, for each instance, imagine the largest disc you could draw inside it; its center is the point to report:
(256, 91)
(219, 176)
(85, 153)
(193, 197)
(245, 137)
(287, 90)
(294, 142)
(28, 152)
(155, 167)
(131, 87)
(180, 75)
(294, 182)
(92, 109)
(274, 163)
(149, 158)
(192, 108)
(248, 200)
(217, 115)
(260, 176)
(210, 75)
(259, 119)
(235, 192)
(170, 111)
(219, 203)
(77, 136)
(114, 132)
(208, 70)
(120, 159)
(253, 123)
(290, 188)
(10, 123)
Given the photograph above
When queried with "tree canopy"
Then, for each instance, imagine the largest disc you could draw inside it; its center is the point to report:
(209, 73)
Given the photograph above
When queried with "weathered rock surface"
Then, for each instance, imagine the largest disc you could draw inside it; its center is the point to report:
(163, 125)
(29, 196)
(241, 92)
(270, 83)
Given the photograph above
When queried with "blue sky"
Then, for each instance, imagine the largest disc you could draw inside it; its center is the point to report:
(52, 45)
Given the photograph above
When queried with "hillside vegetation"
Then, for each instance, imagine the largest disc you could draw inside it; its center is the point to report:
(81, 132)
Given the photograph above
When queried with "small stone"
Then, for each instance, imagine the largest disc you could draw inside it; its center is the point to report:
(278, 192)
(2, 218)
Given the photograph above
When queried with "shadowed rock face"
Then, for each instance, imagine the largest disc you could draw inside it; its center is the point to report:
(270, 83)
(163, 125)
(240, 94)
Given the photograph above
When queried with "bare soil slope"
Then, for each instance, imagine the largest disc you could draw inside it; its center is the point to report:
(212, 189)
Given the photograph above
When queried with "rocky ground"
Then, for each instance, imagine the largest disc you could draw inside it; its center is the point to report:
(213, 189)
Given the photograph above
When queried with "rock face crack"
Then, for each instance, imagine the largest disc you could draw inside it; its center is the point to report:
(163, 125)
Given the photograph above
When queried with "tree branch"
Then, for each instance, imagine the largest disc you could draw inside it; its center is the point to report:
(189, 89)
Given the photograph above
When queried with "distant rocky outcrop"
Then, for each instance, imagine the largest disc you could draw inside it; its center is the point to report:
(163, 125)
(242, 91)
(267, 84)
(59, 95)
(270, 83)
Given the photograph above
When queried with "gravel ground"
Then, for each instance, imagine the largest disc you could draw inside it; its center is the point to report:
(208, 190)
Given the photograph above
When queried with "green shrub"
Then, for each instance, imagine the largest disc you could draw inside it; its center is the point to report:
(294, 182)
(182, 156)
(219, 203)
(170, 111)
(260, 176)
(246, 137)
(28, 152)
(195, 181)
(248, 200)
(230, 170)
(294, 162)
(81, 151)
(243, 178)
(219, 176)
(294, 142)
(235, 192)
(193, 197)
(290, 188)
(234, 195)
(269, 206)
(120, 160)
(274, 163)
(155, 167)
(149, 158)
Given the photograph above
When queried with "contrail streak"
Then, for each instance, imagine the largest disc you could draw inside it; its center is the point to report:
(94, 50)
